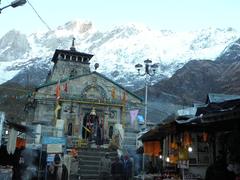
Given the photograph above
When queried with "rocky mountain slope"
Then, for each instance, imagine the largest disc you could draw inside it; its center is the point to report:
(116, 50)
(197, 78)
(194, 81)
(180, 81)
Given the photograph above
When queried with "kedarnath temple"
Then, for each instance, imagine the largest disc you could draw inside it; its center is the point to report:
(87, 108)
(82, 98)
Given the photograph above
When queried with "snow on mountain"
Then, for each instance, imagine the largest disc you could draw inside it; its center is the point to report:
(116, 50)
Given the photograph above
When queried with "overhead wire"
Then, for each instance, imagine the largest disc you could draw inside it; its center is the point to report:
(44, 22)
(48, 27)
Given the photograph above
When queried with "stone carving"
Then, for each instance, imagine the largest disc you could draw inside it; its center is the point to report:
(94, 91)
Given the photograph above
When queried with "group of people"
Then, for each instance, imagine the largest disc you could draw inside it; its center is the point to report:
(94, 131)
(57, 170)
(119, 169)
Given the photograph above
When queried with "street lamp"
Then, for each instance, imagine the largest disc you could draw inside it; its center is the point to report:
(150, 70)
(14, 4)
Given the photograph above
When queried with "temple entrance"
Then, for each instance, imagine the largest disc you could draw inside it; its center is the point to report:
(90, 123)
(97, 127)
(92, 129)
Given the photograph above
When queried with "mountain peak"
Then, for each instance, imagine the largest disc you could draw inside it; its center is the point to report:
(13, 45)
(76, 25)
(118, 49)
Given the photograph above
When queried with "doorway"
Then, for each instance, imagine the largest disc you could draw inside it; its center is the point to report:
(90, 124)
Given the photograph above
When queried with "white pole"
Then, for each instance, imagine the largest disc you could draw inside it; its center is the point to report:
(143, 166)
(145, 119)
(146, 100)
(183, 174)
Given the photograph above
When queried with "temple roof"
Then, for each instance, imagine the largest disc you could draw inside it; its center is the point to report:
(70, 52)
(98, 74)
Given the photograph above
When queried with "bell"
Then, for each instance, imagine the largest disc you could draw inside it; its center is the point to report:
(93, 112)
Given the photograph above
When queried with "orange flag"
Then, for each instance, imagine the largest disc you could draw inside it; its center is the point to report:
(113, 93)
(65, 87)
(124, 98)
(58, 90)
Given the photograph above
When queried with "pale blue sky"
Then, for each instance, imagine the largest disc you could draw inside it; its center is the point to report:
(176, 15)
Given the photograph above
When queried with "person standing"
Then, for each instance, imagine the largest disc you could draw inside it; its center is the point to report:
(99, 141)
(127, 168)
(105, 167)
(117, 169)
(57, 170)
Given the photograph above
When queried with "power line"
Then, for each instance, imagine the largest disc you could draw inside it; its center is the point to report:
(44, 22)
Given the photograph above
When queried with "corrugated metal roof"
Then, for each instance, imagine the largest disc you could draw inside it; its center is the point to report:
(217, 98)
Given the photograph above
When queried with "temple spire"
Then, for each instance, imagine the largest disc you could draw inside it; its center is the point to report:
(73, 47)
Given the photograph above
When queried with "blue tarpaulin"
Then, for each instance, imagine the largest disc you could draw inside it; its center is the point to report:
(53, 140)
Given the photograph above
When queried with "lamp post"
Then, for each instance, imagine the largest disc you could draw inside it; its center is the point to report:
(150, 70)
(14, 4)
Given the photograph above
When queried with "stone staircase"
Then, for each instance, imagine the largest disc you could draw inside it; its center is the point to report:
(130, 139)
(89, 159)
(129, 146)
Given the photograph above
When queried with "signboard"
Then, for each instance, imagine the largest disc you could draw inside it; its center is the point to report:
(54, 148)
(53, 140)
(50, 157)
(183, 164)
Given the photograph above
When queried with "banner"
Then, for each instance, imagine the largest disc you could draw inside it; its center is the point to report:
(124, 98)
(54, 148)
(58, 107)
(65, 87)
(58, 90)
(53, 140)
(133, 115)
(113, 93)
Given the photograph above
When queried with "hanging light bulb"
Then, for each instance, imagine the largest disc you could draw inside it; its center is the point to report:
(190, 149)
(167, 159)
(160, 156)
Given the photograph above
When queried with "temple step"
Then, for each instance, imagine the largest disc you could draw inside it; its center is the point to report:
(89, 159)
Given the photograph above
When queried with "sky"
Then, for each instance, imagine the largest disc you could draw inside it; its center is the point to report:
(175, 15)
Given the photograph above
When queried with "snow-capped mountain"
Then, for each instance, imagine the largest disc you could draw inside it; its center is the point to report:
(116, 50)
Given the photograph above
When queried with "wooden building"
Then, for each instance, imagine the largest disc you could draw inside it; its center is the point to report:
(193, 141)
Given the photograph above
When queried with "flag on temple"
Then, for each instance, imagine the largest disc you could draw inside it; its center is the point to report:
(58, 107)
(58, 90)
(124, 98)
(133, 115)
(113, 93)
(65, 87)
